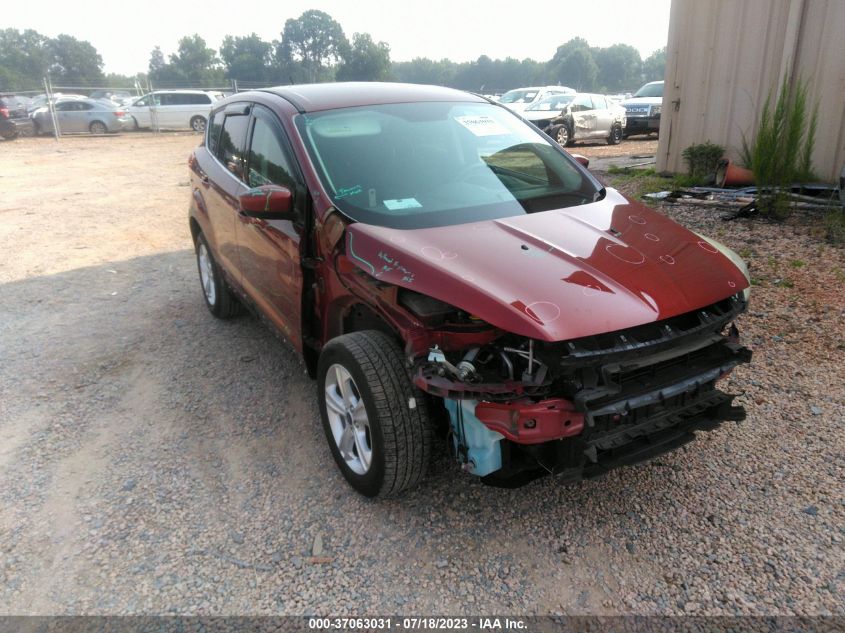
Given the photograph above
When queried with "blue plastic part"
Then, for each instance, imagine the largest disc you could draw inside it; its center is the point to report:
(484, 452)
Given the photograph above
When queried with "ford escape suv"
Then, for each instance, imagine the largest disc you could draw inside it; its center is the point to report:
(437, 260)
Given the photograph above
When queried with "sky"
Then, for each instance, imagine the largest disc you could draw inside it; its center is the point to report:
(460, 30)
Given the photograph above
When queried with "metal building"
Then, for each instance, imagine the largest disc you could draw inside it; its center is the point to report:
(724, 56)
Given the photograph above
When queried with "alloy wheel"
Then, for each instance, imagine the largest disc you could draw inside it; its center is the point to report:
(348, 419)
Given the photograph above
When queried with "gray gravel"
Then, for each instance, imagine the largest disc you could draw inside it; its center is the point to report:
(155, 460)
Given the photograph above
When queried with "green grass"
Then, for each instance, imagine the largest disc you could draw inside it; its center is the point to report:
(642, 181)
(796, 263)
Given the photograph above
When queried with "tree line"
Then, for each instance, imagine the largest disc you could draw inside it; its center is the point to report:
(314, 48)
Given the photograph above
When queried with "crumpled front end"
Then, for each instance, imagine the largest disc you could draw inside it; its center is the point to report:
(520, 407)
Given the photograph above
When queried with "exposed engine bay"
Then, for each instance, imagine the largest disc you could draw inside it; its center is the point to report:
(579, 408)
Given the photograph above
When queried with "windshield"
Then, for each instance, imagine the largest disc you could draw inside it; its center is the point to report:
(415, 165)
(518, 96)
(651, 90)
(557, 102)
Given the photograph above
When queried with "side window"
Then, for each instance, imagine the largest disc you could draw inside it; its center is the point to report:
(85, 106)
(582, 103)
(167, 99)
(268, 161)
(197, 99)
(213, 135)
(599, 102)
(64, 106)
(144, 102)
(232, 145)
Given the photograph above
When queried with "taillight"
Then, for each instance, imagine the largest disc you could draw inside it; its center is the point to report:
(119, 113)
(4, 112)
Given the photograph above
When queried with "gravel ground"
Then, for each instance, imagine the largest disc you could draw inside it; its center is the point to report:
(155, 460)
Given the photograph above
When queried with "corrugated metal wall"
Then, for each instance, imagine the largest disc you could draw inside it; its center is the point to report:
(724, 56)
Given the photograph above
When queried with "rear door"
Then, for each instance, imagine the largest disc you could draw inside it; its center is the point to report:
(269, 249)
(604, 117)
(221, 172)
(170, 112)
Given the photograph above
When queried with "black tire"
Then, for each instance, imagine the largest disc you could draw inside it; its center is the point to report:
(561, 134)
(98, 127)
(135, 125)
(198, 124)
(399, 427)
(615, 135)
(222, 303)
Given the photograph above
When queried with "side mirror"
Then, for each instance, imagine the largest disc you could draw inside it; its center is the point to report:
(585, 162)
(268, 202)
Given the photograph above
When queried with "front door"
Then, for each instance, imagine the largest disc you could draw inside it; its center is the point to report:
(269, 249)
(583, 116)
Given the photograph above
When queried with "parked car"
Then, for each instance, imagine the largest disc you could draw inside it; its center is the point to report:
(436, 258)
(173, 109)
(14, 121)
(519, 99)
(643, 110)
(120, 97)
(96, 116)
(578, 117)
(40, 101)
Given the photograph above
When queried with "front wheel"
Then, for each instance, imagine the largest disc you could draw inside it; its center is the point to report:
(561, 134)
(615, 135)
(375, 420)
(198, 124)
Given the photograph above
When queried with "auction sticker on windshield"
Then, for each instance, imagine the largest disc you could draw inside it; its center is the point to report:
(482, 125)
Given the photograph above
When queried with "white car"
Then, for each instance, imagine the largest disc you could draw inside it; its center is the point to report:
(579, 117)
(173, 109)
(520, 98)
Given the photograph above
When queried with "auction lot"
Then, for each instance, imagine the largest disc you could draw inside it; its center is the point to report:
(156, 460)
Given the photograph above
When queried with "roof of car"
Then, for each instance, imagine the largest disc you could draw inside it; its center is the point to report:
(189, 91)
(328, 96)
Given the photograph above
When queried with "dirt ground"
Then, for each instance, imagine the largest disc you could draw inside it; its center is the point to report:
(154, 460)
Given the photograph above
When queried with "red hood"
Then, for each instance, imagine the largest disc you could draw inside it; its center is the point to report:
(556, 275)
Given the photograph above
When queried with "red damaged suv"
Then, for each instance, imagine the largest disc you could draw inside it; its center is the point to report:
(438, 260)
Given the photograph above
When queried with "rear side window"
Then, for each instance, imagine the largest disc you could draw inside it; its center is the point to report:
(214, 127)
(197, 99)
(231, 147)
(268, 162)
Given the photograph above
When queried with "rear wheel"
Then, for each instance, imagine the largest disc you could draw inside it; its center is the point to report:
(375, 420)
(98, 127)
(198, 124)
(219, 298)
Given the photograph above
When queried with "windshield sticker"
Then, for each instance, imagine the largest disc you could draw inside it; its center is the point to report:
(482, 125)
(402, 203)
(343, 192)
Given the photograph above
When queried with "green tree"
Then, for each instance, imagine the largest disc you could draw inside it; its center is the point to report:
(246, 58)
(193, 62)
(367, 60)
(74, 62)
(654, 66)
(619, 66)
(573, 65)
(24, 59)
(311, 44)
(422, 70)
(157, 64)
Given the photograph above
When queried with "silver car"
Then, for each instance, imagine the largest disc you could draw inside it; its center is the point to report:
(82, 115)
